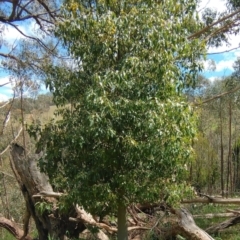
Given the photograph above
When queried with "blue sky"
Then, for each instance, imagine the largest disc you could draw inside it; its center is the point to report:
(223, 62)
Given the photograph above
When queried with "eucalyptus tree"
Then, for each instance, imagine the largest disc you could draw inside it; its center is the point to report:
(26, 43)
(127, 136)
(25, 30)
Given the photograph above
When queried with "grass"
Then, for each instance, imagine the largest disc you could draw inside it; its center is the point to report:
(231, 233)
(4, 234)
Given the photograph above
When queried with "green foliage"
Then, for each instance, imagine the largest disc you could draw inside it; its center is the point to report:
(43, 207)
(205, 165)
(127, 136)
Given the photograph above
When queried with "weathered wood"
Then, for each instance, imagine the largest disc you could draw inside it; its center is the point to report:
(32, 182)
(215, 215)
(213, 200)
(13, 228)
(186, 226)
(223, 225)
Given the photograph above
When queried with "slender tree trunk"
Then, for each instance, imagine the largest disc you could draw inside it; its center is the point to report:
(237, 167)
(122, 233)
(229, 169)
(191, 168)
(221, 157)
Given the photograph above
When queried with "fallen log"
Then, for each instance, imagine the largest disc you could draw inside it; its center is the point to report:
(186, 227)
(217, 215)
(223, 225)
(213, 200)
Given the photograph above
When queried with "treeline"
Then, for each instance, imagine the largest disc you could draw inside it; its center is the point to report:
(216, 165)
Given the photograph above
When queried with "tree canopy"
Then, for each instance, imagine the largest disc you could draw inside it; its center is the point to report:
(126, 135)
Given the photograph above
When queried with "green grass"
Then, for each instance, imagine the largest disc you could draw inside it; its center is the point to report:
(5, 235)
(231, 233)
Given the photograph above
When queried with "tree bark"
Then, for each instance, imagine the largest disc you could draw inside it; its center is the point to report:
(13, 228)
(228, 223)
(187, 228)
(122, 233)
(222, 155)
(213, 200)
(31, 182)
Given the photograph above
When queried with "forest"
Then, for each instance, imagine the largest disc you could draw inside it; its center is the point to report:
(112, 129)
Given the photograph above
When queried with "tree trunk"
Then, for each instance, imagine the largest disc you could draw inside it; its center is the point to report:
(221, 156)
(122, 222)
(31, 182)
(229, 163)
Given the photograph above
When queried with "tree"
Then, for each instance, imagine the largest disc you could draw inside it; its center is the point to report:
(127, 136)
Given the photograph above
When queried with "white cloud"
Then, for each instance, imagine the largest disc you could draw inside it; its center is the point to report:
(4, 80)
(8, 83)
(212, 79)
(218, 5)
(224, 65)
(3, 97)
(11, 34)
(234, 42)
(209, 65)
(220, 66)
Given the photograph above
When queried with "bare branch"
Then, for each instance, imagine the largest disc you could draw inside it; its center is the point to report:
(9, 145)
(7, 174)
(13, 228)
(217, 96)
(30, 37)
(41, 2)
(213, 215)
(205, 29)
(229, 50)
(7, 117)
(4, 84)
(213, 200)
(18, 9)
(23, 8)
(48, 194)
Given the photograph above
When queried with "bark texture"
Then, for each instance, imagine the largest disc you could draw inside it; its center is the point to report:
(185, 226)
(223, 225)
(32, 182)
(13, 228)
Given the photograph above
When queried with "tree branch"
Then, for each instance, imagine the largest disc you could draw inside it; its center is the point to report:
(212, 53)
(205, 29)
(33, 38)
(11, 142)
(1, 85)
(217, 96)
(13, 228)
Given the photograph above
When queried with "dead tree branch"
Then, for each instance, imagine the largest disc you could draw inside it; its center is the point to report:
(13, 228)
(207, 28)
